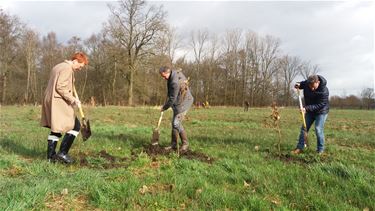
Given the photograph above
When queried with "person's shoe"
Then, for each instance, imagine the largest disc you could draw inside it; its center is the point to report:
(185, 142)
(171, 147)
(64, 158)
(51, 153)
(53, 159)
(174, 137)
(184, 147)
(320, 152)
(296, 151)
(64, 149)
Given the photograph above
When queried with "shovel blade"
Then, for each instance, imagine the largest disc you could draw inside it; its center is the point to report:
(155, 137)
(305, 138)
(85, 129)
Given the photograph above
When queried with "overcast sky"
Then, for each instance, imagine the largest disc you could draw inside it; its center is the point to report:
(338, 36)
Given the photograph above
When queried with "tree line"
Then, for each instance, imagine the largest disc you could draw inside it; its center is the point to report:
(124, 58)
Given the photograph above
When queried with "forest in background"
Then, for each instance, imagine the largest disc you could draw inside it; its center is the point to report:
(135, 41)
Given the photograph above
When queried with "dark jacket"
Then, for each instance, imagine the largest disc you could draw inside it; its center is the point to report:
(179, 95)
(316, 101)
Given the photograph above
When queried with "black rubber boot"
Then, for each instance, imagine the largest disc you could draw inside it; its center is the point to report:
(64, 149)
(174, 137)
(185, 142)
(51, 151)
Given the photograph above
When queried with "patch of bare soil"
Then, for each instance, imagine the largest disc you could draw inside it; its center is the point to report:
(154, 151)
(110, 161)
(104, 160)
(303, 159)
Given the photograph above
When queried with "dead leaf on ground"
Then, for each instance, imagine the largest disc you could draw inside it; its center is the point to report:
(143, 189)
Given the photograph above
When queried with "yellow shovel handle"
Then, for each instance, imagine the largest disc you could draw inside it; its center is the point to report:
(304, 121)
(301, 106)
(161, 117)
(79, 107)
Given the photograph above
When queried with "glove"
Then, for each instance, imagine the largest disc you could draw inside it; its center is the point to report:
(76, 103)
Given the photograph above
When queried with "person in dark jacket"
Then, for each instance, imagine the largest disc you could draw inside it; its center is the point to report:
(180, 100)
(316, 109)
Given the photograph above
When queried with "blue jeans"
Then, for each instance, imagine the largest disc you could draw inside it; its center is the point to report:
(319, 119)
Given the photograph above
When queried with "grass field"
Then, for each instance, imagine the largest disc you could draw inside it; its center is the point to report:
(234, 163)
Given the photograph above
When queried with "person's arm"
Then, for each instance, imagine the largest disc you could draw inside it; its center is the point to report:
(318, 106)
(63, 88)
(172, 96)
(300, 85)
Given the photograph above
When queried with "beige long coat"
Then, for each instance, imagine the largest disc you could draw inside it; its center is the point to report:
(57, 110)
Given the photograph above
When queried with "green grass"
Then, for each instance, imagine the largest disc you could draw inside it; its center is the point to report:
(247, 171)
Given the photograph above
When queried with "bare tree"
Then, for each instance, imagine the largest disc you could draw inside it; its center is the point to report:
(75, 44)
(290, 67)
(169, 43)
(135, 27)
(10, 32)
(269, 52)
(232, 42)
(309, 69)
(30, 47)
(253, 60)
(198, 43)
(210, 82)
(99, 68)
(51, 53)
(368, 97)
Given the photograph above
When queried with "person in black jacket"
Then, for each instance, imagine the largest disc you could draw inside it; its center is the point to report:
(180, 100)
(316, 109)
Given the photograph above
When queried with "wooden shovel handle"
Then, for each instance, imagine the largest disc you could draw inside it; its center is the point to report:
(161, 117)
(79, 107)
(301, 106)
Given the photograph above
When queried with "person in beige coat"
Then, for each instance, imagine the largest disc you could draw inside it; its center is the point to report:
(58, 107)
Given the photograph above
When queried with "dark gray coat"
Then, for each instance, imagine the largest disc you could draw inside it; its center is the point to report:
(179, 95)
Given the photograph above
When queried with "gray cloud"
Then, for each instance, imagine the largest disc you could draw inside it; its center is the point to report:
(338, 36)
(66, 18)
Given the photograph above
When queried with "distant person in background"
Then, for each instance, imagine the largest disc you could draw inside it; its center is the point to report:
(316, 109)
(246, 105)
(206, 104)
(58, 107)
(180, 100)
(198, 104)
